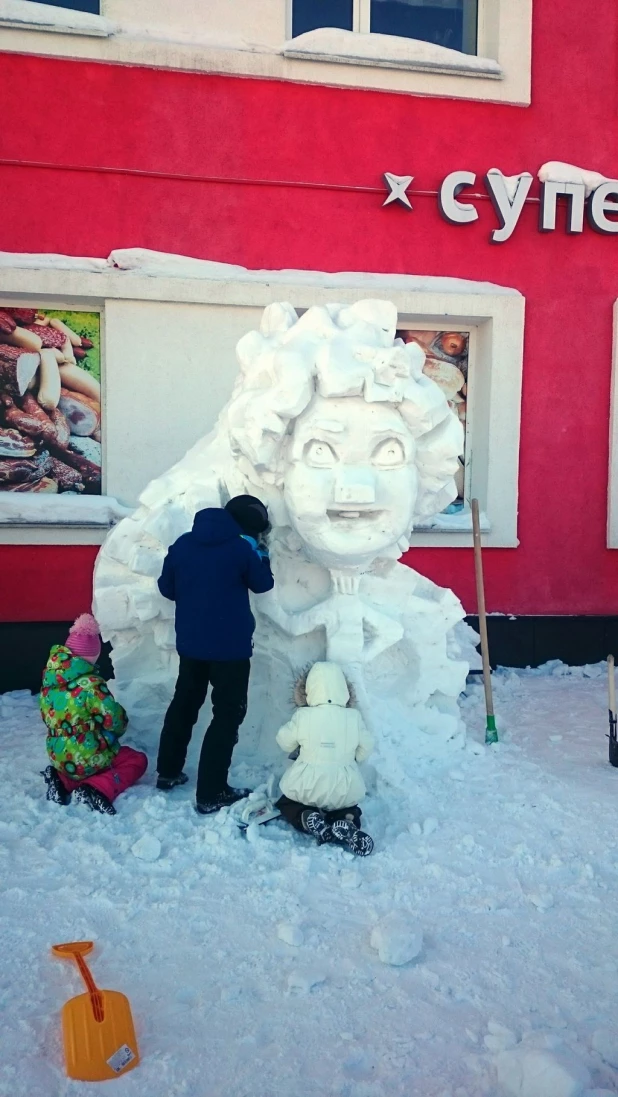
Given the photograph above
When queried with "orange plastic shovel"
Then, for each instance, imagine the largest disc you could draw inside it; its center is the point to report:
(98, 1031)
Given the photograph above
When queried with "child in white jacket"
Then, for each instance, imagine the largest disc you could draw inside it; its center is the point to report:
(323, 787)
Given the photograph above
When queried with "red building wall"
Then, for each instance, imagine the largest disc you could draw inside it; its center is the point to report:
(86, 114)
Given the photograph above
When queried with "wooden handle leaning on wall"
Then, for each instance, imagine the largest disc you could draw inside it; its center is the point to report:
(480, 597)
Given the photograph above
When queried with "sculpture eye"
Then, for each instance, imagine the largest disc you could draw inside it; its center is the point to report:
(319, 454)
(389, 454)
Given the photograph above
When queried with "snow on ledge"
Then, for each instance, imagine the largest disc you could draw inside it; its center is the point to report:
(130, 262)
(23, 509)
(48, 260)
(556, 171)
(24, 15)
(163, 264)
(459, 522)
(387, 51)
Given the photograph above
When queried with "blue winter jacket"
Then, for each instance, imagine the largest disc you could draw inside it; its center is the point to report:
(208, 573)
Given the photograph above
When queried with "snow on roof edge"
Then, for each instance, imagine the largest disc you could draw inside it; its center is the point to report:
(156, 264)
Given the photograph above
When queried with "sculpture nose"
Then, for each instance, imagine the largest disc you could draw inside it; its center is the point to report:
(354, 485)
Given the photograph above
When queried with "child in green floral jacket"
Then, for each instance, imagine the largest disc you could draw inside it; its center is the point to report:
(84, 725)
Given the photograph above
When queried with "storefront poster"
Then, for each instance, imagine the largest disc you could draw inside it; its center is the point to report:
(446, 363)
(50, 401)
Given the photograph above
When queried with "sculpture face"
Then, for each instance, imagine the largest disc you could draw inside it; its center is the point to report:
(351, 483)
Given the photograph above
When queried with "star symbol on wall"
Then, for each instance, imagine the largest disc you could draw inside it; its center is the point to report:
(397, 185)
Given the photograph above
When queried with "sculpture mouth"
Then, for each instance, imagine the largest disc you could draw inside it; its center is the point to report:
(347, 515)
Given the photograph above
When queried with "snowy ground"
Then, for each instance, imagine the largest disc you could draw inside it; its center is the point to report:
(506, 858)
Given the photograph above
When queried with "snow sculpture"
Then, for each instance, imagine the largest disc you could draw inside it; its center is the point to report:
(334, 425)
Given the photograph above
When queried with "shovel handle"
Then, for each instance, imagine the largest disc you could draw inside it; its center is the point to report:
(76, 950)
(482, 612)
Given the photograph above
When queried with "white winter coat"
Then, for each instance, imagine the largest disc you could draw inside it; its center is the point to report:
(332, 740)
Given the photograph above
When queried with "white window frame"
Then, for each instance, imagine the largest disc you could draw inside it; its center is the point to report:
(361, 17)
(504, 39)
(612, 485)
(493, 315)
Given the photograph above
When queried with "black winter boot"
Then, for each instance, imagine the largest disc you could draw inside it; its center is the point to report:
(94, 800)
(315, 824)
(166, 784)
(348, 834)
(56, 792)
(224, 799)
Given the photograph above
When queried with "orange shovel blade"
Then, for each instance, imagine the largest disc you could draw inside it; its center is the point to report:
(97, 1050)
(98, 1031)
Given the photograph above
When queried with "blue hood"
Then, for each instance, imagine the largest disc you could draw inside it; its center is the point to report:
(215, 526)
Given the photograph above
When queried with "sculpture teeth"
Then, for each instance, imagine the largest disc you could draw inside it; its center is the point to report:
(349, 513)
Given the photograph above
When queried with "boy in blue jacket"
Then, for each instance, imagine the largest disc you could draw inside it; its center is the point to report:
(208, 573)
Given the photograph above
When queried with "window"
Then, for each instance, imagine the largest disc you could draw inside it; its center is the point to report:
(152, 321)
(450, 23)
(312, 14)
(93, 6)
(446, 363)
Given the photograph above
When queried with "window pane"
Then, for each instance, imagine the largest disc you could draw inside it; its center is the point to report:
(446, 363)
(449, 23)
(311, 14)
(92, 6)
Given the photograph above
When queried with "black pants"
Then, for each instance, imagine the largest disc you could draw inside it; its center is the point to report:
(230, 682)
(292, 811)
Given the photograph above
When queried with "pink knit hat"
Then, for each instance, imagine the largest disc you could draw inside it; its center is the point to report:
(84, 639)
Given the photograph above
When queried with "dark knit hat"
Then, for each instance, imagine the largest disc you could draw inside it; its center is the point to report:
(250, 513)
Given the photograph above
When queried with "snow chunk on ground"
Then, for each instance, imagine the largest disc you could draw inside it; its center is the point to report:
(147, 848)
(534, 1072)
(397, 939)
(605, 1041)
(290, 934)
(303, 982)
(558, 172)
(388, 50)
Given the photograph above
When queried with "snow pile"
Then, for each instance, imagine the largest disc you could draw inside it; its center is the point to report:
(334, 425)
(531, 1072)
(388, 50)
(397, 939)
(147, 848)
(290, 933)
(195, 937)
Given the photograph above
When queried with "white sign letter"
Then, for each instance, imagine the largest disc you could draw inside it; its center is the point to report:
(600, 204)
(507, 197)
(458, 213)
(398, 185)
(575, 192)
